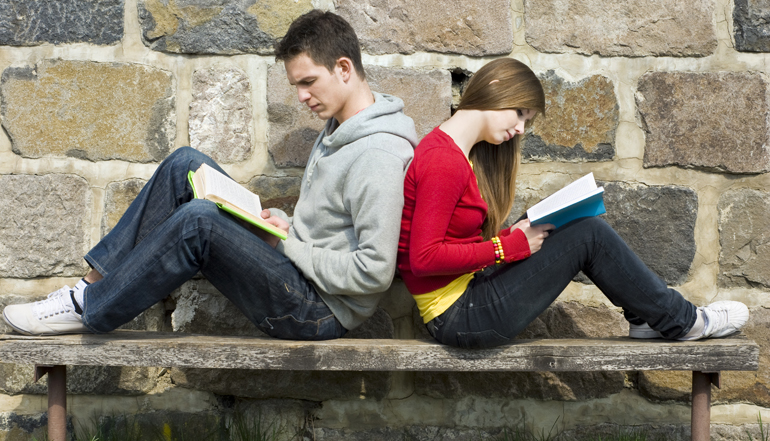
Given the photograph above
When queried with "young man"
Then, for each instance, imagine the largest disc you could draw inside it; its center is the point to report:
(340, 255)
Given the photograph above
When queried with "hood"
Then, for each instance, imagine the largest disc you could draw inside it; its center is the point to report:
(384, 116)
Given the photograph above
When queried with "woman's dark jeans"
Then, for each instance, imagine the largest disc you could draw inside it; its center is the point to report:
(498, 304)
(166, 237)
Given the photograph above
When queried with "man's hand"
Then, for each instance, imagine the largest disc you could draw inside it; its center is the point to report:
(264, 235)
(536, 234)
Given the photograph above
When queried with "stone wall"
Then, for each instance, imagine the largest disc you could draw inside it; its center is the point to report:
(665, 102)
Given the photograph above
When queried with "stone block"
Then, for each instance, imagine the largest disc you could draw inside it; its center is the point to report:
(483, 27)
(579, 124)
(81, 380)
(560, 320)
(44, 230)
(737, 387)
(634, 28)
(93, 111)
(118, 197)
(293, 129)
(427, 94)
(201, 309)
(683, 127)
(412, 433)
(300, 385)
(220, 114)
(277, 192)
(744, 233)
(658, 223)
(218, 26)
(751, 22)
(24, 427)
(30, 23)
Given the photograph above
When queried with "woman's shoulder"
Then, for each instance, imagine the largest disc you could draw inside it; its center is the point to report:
(439, 143)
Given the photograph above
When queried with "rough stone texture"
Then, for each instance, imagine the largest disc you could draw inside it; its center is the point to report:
(16, 427)
(44, 226)
(427, 94)
(313, 386)
(293, 128)
(413, 433)
(579, 124)
(217, 26)
(118, 197)
(744, 237)
(30, 23)
(89, 110)
(635, 28)
(683, 127)
(560, 320)
(81, 380)
(400, 26)
(751, 20)
(658, 223)
(220, 114)
(746, 387)
(277, 192)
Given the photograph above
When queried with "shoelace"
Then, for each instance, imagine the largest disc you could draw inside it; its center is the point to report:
(54, 304)
(716, 318)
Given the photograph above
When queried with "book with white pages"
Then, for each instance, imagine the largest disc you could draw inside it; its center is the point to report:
(230, 196)
(581, 198)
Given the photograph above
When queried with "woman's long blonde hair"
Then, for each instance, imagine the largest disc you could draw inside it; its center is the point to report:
(501, 84)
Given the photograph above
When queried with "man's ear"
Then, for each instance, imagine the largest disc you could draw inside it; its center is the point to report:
(345, 68)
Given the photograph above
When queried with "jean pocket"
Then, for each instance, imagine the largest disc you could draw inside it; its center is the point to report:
(482, 339)
(288, 327)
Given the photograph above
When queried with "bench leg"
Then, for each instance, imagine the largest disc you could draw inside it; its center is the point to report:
(700, 423)
(57, 400)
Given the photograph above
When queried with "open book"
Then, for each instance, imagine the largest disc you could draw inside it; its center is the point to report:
(579, 199)
(208, 183)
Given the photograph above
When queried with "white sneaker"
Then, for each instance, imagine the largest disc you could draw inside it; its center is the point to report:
(52, 316)
(724, 318)
(642, 331)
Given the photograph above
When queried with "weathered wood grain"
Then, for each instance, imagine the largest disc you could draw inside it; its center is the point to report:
(139, 348)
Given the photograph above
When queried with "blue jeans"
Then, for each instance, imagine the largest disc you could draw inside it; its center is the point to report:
(499, 303)
(165, 237)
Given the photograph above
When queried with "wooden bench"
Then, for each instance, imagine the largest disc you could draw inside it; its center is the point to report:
(134, 348)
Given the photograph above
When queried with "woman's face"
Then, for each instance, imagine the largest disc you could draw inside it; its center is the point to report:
(503, 125)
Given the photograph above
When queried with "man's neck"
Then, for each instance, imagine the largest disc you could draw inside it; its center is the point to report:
(360, 98)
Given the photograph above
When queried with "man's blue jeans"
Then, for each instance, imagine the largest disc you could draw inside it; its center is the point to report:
(165, 237)
(500, 303)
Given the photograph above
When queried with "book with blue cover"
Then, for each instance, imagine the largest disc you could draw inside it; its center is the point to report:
(581, 198)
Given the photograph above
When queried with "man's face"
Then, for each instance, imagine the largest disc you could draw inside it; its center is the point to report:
(321, 90)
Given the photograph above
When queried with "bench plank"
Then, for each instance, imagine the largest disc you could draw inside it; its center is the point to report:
(141, 348)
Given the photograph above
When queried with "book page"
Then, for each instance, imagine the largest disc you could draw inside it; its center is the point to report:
(224, 188)
(563, 197)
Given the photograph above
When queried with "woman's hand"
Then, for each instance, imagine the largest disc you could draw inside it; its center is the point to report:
(536, 234)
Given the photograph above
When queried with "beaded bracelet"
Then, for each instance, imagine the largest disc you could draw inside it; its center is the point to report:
(499, 255)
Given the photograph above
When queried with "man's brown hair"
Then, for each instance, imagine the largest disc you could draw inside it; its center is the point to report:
(325, 37)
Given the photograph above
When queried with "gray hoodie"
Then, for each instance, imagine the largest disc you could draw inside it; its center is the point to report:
(344, 233)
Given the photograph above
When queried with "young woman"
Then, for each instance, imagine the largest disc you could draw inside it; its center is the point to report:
(478, 286)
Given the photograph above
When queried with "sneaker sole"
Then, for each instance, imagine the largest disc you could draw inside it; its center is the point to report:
(14, 327)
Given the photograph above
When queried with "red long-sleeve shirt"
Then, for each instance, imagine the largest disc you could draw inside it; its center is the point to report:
(443, 214)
